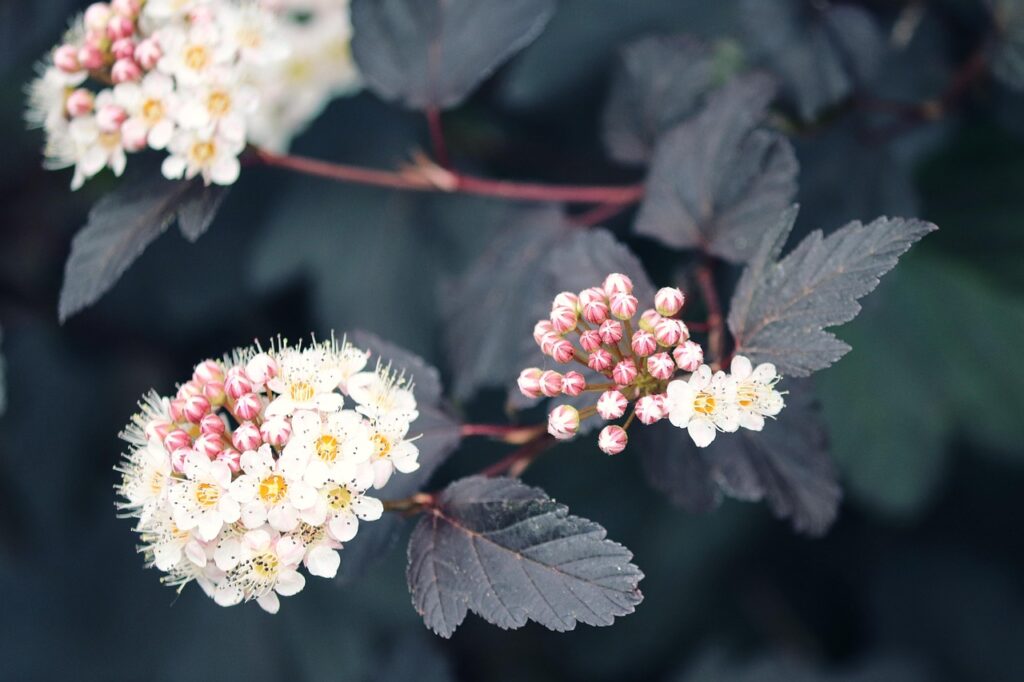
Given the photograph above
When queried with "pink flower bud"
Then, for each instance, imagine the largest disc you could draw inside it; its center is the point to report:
(592, 295)
(563, 319)
(176, 407)
(126, 8)
(248, 406)
(529, 382)
(661, 366)
(214, 392)
(196, 407)
(125, 71)
(551, 383)
(563, 422)
(90, 57)
(123, 49)
(684, 331)
(611, 332)
(65, 58)
(573, 383)
(649, 409)
(590, 340)
(688, 356)
(209, 444)
(120, 27)
(612, 439)
(600, 360)
(110, 117)
(669, 300)
(189, 389)
(542, 329)
(237, 384)
(80, 102)
(643, 343)
(623, 306)
(207, 371)
(649, 319)
(97, 15)
(211, 423)
(548, 341)
(667, 332)
(177, 439)
(261, 368)
(148, 53)
(276, 431)
(612, 405)
(562, 351)
(157, 429)
(246, 437)
(231, 457)
(178, 458)
(595, 312)
(617, 283)
(624, 372)
(566, 299)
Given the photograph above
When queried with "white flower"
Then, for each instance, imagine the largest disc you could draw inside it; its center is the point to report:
(343, 504)
(201, 501)
(195, 55)
(146, 480)
(756, 396)
(321, 558)
(326, 449)
(379, 394)
(195, 152)
(151, 106)
(221, 106)
(703, 405)
(94, 149)
(306, 381)
(259, 566)
(165, 10)
(267, 495)
(254, 33)
(391, 451)
(170, 545)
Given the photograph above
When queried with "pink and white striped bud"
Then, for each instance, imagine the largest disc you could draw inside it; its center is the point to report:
(566, 299)
(90, 57)
(564, 422)
(246, 437)
(684, 331)
(623, 306)
(551, 383)
(669, 300)
(126, 8)
(649, 319)
(600, 360)
(123, 49)
(212, 423)
(175, 408)
(214, 392)
(661, 366)
(590, 340)
(125, 71)
(563, 319)
(231, 457)
(276, 431)
(667, 332)
(97, 16)
(196, 407)
(237, 384)
(148, 53)
(209, 444)
(649, 409)
(624, 373)
(65, 58)
(612, 439)
(592, 295)
(120, 27)
(595, 312)
(261, 368)
(248, 406)
(178, 458)
(189, 389)
(562, 351)
(542, 329)
(157, 429)
(643, 343)
(612, 405)
(177, 439)
(617, 283)
(529, 382)
(110, 117)
(611, 332)
(689, 356)
(207, 371)
(573, 383)
(548, 341)
(79, 102)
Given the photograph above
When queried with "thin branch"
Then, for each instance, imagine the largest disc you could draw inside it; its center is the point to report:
(515, 435)
(516, 462)
(716, 322)
(433, 115)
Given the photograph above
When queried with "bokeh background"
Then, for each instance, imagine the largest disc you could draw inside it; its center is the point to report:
(920, 578)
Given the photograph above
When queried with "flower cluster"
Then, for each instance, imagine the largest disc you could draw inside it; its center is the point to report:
(261, 463)
(198, 79)
(646, 365)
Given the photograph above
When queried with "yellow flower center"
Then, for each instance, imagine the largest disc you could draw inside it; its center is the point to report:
(381, 444)
(704, 403)
(273, 489)
(746, 394)
(156, 482)
(207, 494)
(327, 448)
(338, 497)
(202, 152)
(249, 38)
(266, 565)
(301, 391)
(299, 70)
(197, 57)
(110, 140)
(152, 111)
(218, 103)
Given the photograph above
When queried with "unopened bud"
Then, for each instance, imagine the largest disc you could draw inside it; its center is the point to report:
(612, 439)
(669, 301)
(573, 383)
(612, 405)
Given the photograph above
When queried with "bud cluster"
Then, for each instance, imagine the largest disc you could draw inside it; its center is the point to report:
(261, 463)
(198, 79)
(648, 360)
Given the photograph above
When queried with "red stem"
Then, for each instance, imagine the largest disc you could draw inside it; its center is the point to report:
(437, 136)
(716, 322)
(516, 462)
(516, 435)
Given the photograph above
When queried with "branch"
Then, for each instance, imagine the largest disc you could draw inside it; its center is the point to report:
(716, 321)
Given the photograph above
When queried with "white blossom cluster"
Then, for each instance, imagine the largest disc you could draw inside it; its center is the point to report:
(199, 79)
(262, 463)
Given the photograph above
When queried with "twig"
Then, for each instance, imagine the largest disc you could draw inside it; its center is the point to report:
(716, 322)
